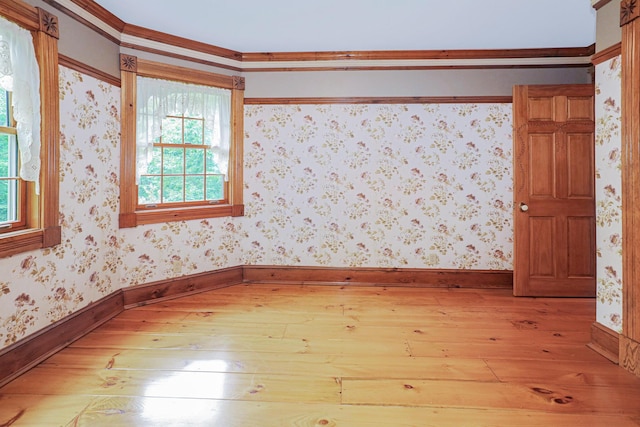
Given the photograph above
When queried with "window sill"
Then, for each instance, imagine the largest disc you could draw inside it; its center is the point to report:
(155, 216)
(28, 240)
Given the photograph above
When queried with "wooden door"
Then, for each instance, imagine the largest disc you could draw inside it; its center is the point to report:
(554, 200)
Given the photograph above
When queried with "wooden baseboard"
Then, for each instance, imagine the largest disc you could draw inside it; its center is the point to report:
(419, 278)
(604, 341)
(181, 286)
(28, 352)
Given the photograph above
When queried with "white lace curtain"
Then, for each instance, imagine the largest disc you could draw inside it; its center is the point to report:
(157, 99)
(19, 74)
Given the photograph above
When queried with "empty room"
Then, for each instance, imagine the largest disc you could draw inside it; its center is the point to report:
(336, 213)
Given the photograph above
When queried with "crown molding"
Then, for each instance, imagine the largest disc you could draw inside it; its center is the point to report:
(598, 4)
(91, 15)
(419, 54)
(130, 36)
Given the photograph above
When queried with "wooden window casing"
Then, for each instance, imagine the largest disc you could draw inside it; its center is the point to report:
(42, 227)
(131, 213)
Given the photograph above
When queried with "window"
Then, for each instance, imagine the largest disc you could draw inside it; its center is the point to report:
(181, 143)
(29, 129)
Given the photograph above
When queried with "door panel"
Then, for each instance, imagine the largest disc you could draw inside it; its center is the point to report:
(542, 154)
(554, 217)
(580, 158)
(580, 108)
(541, 109)
(542, 255)
(578, 235)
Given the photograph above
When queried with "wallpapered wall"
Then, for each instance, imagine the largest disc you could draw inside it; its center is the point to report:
(424, 186)
(609, 193)
(41, 287)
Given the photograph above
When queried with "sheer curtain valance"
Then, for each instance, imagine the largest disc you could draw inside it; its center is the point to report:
(157, 99)
(20, 75)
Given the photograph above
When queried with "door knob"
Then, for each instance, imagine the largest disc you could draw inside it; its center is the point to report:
(523, 207)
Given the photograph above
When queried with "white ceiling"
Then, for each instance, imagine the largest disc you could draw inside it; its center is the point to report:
(357, 25)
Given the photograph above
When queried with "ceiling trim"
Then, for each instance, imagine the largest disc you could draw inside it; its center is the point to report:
(131, 36)
(598, 4)
(420, 54)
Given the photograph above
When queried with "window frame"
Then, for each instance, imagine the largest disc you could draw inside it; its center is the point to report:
(131, 214)
(42, 218)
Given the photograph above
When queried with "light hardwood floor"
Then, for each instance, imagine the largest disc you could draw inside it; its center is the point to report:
(289, 355)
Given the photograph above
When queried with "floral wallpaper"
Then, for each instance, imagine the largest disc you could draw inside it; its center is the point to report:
(162, 251)
(609, 194)
(41, 287)
(417, 186)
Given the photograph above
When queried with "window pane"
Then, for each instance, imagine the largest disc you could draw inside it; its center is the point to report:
(195, 160)
(215, 187)
(212, 166)
(4, 201)
(173, 189)
(194, 188)
(4, 155)
(8, 200)
(4, 108)
(193, 131)
(149, 190)
(154, 167)
(172, 130)
(173, 161)
(8, 169)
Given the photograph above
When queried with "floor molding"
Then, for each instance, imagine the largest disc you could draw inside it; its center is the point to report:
(161, 290)
(605, 341)
(23, 355)
(407, 277)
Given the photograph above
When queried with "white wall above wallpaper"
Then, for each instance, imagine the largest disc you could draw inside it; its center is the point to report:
(420, 186)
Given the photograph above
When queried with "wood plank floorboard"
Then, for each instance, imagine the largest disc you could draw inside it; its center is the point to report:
(310, 355)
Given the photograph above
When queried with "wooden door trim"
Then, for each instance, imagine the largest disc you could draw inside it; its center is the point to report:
(630, 338)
